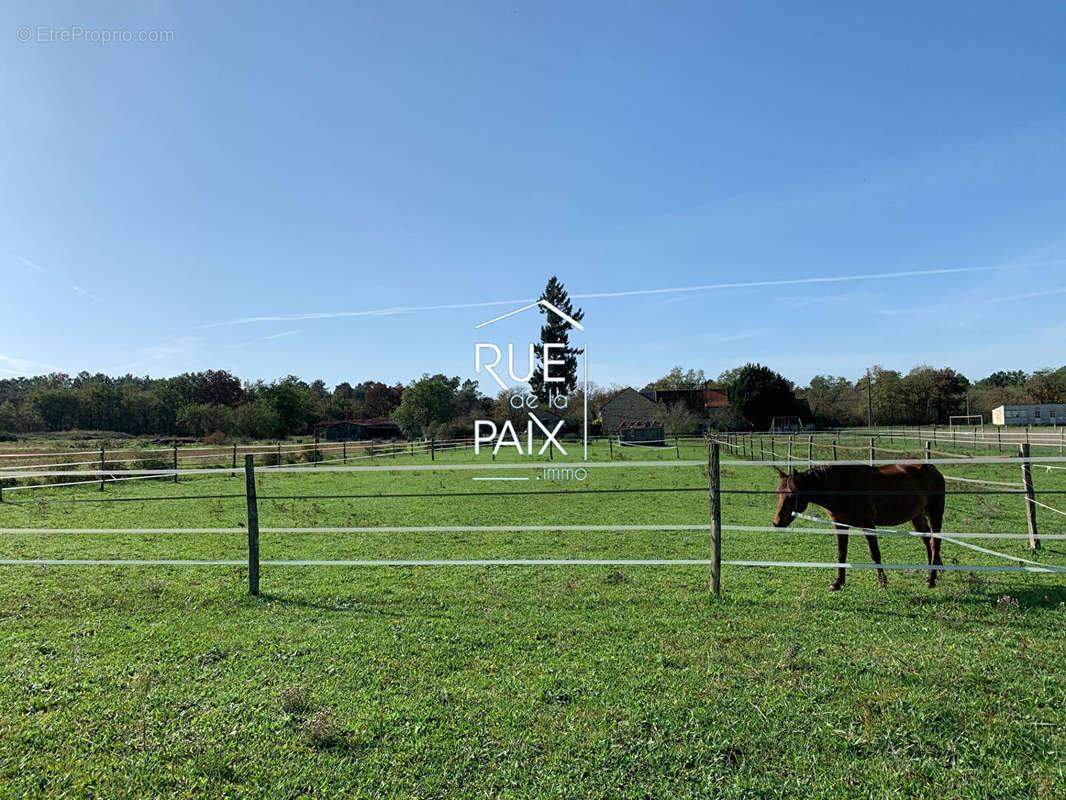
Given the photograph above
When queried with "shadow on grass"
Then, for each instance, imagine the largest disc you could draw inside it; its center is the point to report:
(340, 605)
(1052, 597)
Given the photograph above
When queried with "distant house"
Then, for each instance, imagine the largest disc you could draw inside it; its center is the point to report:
(698, 401)
(1033, 414)
(628, 406)
(357, 430)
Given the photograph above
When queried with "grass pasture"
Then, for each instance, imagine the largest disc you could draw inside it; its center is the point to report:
(577, 681)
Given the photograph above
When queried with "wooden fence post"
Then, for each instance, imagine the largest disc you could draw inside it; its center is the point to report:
(253, 526)
(102, 468)
(810, 450)
(714, 479)
(677, 447)
(873, 455)
(234, 466)
(344, 447)
(432, 449)
(1030, 505)
(175, 463)
(834, 449)
(927, 449)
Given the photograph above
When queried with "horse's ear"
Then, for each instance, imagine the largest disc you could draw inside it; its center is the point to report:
(781, 474)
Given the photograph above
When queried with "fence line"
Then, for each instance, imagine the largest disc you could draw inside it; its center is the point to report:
(920, 534)
(528, 529)
(713, 466)
(521, 562)
(777, 462)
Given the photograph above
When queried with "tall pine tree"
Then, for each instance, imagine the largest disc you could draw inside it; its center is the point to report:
(554, 331)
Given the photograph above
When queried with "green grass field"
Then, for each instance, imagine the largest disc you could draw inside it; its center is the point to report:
(579, 681)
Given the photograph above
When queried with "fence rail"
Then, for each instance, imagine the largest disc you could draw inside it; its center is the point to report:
(714, 466)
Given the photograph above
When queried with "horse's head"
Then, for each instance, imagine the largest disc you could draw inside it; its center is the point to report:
(789, 499)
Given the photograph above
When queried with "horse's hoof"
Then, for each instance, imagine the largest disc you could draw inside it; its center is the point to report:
(835, 587)
(882, 585)
(930, 584)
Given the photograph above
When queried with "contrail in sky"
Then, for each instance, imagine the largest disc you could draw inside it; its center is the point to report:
(28, 263)
(384, 312)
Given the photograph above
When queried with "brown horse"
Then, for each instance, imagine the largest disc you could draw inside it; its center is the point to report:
(866, 497)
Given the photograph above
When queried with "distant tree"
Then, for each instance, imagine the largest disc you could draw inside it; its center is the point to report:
(338, 407)
(503, 409)
(8, 417)
(217, 387)
(677, 418)
(293, 403)
(555, 330)
(829, 399)
(888, 400)
(379, 400)
(998, 380)
(258, 420)
(179, 391)
(57, 408)
(1048, 386)
(759, 394)
(429, 400)
(932, 395)
(599, 396)
(728, 376)
(203, 419)
(467, 399)
(677, 378)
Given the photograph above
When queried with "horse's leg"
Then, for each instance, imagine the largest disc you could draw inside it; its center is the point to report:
(875, 553)
(932, 547)
(936, 522)
(936, 561)
(842, 557)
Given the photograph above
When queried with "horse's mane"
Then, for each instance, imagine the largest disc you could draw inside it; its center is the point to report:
(812, 478)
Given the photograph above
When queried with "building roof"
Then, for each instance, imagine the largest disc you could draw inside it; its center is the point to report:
(629, 390)
(363, 422)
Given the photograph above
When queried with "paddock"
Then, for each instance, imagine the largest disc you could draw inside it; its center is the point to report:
(491, 625)
(499, 479)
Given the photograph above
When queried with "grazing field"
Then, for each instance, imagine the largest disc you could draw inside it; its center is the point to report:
(520, 681)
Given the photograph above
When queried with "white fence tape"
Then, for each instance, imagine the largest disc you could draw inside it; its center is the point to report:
(518, 562)
(529, 529)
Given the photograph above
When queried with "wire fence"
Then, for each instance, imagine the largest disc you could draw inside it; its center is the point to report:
(743, 448)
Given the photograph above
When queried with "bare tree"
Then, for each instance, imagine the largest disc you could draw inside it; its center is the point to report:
(677, 419)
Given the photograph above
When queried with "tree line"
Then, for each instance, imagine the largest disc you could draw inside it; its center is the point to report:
(213, 402)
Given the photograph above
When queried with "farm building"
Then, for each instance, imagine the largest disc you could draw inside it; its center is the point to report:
(1034, 414)
(698, 401)
(357, 430)
(642, 433)
(628, 406)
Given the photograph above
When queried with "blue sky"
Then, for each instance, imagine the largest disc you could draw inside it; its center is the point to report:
(295, 164)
